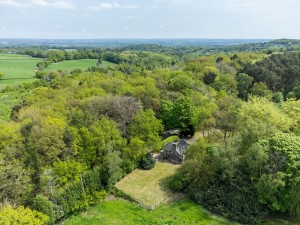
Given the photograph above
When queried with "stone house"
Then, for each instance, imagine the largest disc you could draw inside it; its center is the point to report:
(174, 152)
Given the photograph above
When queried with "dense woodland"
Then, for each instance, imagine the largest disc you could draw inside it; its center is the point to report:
(73, 135)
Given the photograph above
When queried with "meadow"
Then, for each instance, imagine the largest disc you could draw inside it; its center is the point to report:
(17, 69)
(119, 211)
(21, 68)
(82, 64)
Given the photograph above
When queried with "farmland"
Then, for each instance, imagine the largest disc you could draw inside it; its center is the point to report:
(21, 68)
(17, 69)
(82, 64)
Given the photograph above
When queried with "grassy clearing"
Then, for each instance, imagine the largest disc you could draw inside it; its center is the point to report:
(125, 213)
(148, 187)
(17, 69)
(69, 65)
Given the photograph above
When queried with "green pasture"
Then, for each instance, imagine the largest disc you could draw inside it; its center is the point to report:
(17, 69)
(84, 64)
(121, 212)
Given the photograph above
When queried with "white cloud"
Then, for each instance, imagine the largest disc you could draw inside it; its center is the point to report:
(106, 5)
(56, 5)
(12, 3)
(38, 3)
(239, 6)
(103, 6)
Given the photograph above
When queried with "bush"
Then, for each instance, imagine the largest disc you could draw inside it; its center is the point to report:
(72, 199)
(177, 182)
(235, 200)
(170, 139)
(21, 216)
(148, 162)
(43, 205)
(128, 165)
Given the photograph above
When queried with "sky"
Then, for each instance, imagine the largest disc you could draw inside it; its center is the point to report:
(97, 19)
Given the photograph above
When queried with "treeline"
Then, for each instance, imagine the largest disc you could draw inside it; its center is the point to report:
(280, 72)
(75, 135)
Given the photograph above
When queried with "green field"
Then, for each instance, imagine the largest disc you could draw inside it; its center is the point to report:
(17, 69)
(77, 64)
(121, 212)
(20, 68)
(148, 187)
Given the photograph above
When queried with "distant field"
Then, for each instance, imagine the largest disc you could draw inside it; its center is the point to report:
(83, 64)
(17, 69)
(120, 212)
(148, 187)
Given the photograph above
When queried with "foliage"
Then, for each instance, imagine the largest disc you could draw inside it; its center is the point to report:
(170, 139)
(178, 182)
(68, 137)
(179, 114)
(43, 205)
(210, 172)
(147, 162)
(244, 82)
(259, 118)
(21, 216)
(280, 173)
(146, 127)
(279, 71)
(209, 78)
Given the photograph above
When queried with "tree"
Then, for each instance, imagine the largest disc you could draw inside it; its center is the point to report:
(15, 181)
(99, 62)
(46, 142)
(226, 116)
(2, 75)
(261, 89)
(291, 108)
(136, 149)
(68, 171)
(179, 114)
(209, 78)
(280, 173)
(244, 83)
(92, 144)
(21, 216)
(258, 119)
(147, 128)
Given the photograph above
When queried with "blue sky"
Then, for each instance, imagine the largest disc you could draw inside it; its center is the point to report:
(150, 19)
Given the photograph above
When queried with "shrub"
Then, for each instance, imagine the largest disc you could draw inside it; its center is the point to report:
(21, 216)
(148, 162)
(235, 200)
(177, 182)
(42, 204)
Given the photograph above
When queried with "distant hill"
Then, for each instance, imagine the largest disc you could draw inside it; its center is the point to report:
(126, 42)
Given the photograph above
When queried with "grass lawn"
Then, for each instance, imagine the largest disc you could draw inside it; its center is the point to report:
(148, 187)
(125, 213)
(84, 64)
(17, 69)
